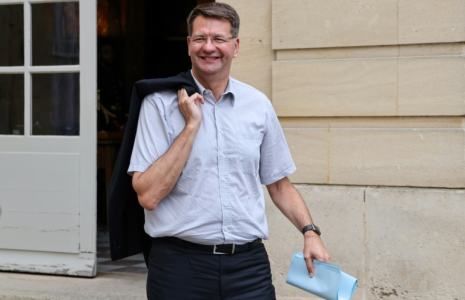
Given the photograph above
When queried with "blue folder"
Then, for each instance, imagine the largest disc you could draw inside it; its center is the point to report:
(328, 282)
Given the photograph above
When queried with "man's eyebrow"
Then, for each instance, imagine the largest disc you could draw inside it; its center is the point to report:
(218, 34)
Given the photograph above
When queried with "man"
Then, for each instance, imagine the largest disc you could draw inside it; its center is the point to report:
(198, 163)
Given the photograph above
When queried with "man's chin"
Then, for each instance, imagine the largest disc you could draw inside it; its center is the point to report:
(207, 71)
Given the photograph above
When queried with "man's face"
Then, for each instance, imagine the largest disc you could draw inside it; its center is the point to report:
(211, 59)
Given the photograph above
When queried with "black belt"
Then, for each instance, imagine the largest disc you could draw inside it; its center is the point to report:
(216, 249)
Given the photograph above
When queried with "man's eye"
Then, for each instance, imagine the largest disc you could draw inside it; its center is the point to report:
(199, 40)
(219, 40)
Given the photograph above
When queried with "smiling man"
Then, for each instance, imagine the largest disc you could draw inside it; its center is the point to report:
(198, 166)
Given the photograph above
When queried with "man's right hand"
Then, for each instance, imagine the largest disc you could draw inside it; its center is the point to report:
(190, 107)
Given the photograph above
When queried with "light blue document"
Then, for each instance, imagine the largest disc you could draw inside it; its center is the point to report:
(329, 282)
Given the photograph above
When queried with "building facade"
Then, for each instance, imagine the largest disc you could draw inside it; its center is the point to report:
(371, 97)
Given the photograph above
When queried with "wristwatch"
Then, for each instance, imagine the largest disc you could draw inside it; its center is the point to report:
(311, 227)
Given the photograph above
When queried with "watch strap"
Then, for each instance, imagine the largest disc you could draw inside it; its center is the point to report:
(311, 227)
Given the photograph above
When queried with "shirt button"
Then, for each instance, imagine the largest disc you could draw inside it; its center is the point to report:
(216, 106)
(224, 179)
(222, 154)
(226, 229)
(226, 204)
(207, 92)
(219, 129)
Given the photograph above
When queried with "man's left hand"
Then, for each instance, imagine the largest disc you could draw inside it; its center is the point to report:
(314, 249)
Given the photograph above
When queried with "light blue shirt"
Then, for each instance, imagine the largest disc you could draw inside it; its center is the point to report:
(240, 145)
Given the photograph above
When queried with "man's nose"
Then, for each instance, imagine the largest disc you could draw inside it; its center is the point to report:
(209, 46)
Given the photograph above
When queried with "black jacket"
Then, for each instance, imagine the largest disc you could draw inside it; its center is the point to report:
(126, 216)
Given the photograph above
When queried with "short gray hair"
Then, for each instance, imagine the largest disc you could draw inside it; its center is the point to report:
(216, 10)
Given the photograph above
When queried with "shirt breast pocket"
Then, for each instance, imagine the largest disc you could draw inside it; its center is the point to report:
(249, 144)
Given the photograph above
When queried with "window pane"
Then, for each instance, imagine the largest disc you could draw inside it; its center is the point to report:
(11, 104)
(55, 104)
(11, 35)
(55, 33)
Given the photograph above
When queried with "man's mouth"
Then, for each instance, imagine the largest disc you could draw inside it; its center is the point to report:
(209, 57)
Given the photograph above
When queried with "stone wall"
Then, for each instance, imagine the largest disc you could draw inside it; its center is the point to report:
(371, 97)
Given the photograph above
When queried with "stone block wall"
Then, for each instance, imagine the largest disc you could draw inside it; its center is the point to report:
(371, 98)
(400, 243)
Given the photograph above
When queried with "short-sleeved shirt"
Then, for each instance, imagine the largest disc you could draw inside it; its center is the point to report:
(240, 145)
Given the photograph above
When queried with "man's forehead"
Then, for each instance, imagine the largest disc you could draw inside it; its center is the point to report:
(213, 24)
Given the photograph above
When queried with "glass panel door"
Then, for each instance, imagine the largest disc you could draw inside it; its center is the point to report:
(48, 136)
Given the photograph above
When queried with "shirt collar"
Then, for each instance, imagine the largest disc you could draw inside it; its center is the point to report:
(229, 88)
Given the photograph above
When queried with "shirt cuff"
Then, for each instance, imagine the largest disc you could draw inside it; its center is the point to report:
(278, 176)
(137, 168)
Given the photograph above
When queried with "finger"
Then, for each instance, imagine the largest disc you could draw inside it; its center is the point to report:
(181, 95)
(310, 267)
(324, 256)
(198, 98)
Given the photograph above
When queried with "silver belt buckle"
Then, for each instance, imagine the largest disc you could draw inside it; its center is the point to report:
(232, 252)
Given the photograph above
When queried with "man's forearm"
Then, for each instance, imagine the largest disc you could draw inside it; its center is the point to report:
(156, 183)
(290, 203)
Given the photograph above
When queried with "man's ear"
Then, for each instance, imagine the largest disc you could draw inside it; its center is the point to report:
(236, 48)
(189, 46)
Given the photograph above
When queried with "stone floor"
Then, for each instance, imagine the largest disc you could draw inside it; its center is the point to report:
(133, 264)
(105, 286)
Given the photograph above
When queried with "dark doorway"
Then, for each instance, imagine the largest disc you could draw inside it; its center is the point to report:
(165, 38)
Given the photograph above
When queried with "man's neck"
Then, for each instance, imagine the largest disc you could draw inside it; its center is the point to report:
(214, 83)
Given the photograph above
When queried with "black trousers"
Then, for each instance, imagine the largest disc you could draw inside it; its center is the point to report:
(181, 272)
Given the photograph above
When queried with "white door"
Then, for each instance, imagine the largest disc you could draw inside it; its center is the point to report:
(48, 136)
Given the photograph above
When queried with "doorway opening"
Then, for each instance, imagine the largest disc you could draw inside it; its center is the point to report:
(137, 39)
